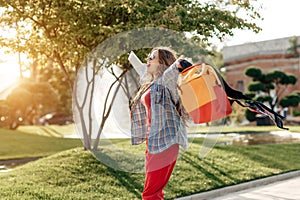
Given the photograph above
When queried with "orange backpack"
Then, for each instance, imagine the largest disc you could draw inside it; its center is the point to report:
(202, 94)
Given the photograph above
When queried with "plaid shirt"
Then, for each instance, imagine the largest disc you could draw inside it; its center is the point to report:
(167, 127)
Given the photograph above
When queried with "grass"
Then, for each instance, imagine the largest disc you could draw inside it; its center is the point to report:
(39, 141)
(17, 144)
(49, 130)
(76, 174)
(72, 173)
(61, 131)
(241, 129)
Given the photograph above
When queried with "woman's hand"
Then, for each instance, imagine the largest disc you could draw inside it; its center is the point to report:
(183, 64)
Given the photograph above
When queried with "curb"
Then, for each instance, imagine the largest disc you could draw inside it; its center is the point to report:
(243, 186)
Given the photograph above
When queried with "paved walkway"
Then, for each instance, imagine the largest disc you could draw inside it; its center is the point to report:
(281, 187)
(287, 189)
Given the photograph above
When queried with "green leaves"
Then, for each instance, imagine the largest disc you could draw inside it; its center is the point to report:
(291, 100)
(28, 101)
(254, 73)
(257, 86)
(280, 77)
(66, 31)
(268, 87)
(294, 47)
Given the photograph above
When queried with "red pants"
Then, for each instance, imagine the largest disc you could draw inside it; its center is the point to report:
(159, 168)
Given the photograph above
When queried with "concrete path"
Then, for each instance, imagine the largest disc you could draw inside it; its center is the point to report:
(280, 187)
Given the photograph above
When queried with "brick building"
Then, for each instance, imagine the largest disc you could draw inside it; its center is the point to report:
(267, 55)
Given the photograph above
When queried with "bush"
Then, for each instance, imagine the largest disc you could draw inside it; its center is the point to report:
(250, 116)
(296, 113)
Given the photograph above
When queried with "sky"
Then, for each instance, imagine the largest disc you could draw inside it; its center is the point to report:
(281, 19)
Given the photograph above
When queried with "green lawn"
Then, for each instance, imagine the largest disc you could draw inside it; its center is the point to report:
(72, 173)
(49, 130)
(40, 141)
(16, 144)
(76, 174)
(61, 131)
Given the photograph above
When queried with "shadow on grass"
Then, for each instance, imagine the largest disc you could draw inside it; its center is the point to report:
(120, 166)
(126, 180)
(216, 177)
(51, 131)
(94, 168)
(270, 155)
(187, 157)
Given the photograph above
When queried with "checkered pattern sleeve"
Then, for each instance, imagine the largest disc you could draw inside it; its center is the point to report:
(169, 80)
(138, 124)
(167, 127)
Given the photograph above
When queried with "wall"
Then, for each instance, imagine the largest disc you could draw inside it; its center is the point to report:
(267, 55)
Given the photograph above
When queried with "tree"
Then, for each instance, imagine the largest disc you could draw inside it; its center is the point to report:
(294, 47)
(122, 80)
(269, 87)
(291, 100)
(64, 32)
(4, 114)
(26, 103)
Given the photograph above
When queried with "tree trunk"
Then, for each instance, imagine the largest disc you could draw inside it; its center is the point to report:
(105, 115)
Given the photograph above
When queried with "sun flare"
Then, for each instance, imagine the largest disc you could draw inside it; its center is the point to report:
(9, 70)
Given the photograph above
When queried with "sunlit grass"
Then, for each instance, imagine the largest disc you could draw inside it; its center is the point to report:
(29, 141)
(76, 174)
(62, 131)
(49, 130)
(16, 144)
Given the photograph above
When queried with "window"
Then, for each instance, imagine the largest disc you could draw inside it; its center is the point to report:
(240, 86)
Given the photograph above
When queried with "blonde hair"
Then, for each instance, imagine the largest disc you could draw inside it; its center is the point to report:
(166, 57)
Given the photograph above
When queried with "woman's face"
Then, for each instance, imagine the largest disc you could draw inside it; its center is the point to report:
(152, 62)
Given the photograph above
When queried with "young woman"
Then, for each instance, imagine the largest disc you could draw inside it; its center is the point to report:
(158, 117)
